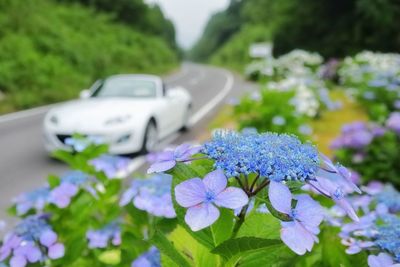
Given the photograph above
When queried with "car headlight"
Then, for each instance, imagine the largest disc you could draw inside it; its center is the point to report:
(117, 120)
(53, 119)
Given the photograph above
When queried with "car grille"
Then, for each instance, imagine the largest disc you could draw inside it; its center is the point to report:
(62, 137)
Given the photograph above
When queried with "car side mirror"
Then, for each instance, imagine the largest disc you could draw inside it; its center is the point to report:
(84, 94)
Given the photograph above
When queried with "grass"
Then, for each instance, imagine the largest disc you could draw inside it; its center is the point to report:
(329, 125)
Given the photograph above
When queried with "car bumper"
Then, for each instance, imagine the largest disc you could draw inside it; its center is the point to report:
(123, 142)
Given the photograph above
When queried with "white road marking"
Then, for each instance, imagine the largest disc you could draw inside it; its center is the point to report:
(25, 113)
(178, 76)
(200, 114)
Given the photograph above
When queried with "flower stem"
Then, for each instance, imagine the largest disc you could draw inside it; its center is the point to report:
(240, 221)
(254, 182)
(260, 187)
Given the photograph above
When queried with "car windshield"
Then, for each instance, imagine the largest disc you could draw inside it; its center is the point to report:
(126, 87)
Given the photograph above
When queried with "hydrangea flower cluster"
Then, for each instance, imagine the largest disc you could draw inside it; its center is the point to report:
(151, 258)
(31, 241)
(112, 166)
(69, 186)
(152, 195)
(272, 160)
(357, 135)
(36, 199)
(101, 238)
(276, 156)
(377, 230)
(393, 122)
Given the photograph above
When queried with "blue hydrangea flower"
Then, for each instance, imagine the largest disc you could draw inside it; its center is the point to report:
(101, 238)
(300, 233)
(31, 241)
(275, 156)
(167, 160)
(35, 199)
(112, 166)
(152, 195)
(390, 197)
(151, 258)
(80, 144)
(388, 235)
(201, 196)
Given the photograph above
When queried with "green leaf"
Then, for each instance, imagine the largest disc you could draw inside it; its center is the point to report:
(236, 246)
(165, 246)
(112, 257)
(221, 230)
(53, 180)
(262, 225)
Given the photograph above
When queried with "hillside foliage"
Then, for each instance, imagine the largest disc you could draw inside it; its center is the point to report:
(49, 51)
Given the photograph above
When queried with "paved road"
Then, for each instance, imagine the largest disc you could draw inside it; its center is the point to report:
(24, 164)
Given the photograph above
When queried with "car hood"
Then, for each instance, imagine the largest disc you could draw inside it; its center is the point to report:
(92, 113)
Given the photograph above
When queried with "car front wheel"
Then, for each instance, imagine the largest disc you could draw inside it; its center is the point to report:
(150, 139)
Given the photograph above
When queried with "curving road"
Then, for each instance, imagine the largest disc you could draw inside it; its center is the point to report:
(24, 164)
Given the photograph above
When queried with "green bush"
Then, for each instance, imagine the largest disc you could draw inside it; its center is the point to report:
(49, 51)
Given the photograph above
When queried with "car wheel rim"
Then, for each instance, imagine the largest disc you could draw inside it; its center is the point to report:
(151, 138)
(187, 118)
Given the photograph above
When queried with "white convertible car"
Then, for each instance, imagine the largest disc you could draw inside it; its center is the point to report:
(129, 112)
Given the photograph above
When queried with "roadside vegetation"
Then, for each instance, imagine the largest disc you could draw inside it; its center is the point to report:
(331, 28)
(50, 50)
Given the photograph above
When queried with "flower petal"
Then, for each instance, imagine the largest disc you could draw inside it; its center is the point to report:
(381, 260)
(308, 211)
(190, 192)
(161, 166)
(18, 261)
(48, 238)
(201, 216)
(231, 198)
(56, 251)
(215, 181)
(346, 206)
(296, 237)
(280, 197)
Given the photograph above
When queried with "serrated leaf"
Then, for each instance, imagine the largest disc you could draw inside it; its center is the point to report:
(165, 246)
(221, 230)
(262, 225)
(232, 247)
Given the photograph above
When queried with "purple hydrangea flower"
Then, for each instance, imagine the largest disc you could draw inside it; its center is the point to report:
(356, 135)
(300, 234)
(355, 246)
(167, 160)
(152, 195)
(151, 258)
(112, 166)
(201, 196)
(101, 238)
(381, 260)
(69, 186)
(35, 199)
(393, 122)
(334, 181)
(31, 241)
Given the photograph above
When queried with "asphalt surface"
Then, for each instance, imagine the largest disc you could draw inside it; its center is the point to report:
(24, 164)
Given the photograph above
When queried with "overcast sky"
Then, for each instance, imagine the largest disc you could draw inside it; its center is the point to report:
(190, 16)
